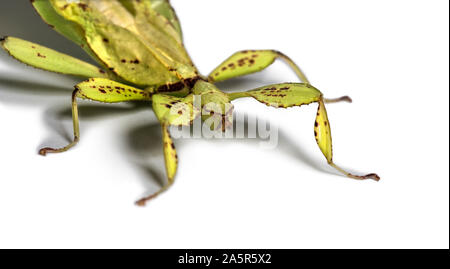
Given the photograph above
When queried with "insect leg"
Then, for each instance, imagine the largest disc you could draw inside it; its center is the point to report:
(76, 129)
(298, 94)
(171, 162)
(173, 111)
(251, 61)
(101, 90)
(322, 133)
(337, 100)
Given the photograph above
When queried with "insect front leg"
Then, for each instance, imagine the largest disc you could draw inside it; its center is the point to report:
(101, 90)
(251, 61)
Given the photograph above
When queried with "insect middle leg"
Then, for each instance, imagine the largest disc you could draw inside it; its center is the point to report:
(297, 94)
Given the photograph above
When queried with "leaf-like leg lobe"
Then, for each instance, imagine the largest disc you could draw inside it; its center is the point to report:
(251, 61)
(48, 59)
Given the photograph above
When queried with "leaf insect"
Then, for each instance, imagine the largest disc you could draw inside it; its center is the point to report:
(138, 45)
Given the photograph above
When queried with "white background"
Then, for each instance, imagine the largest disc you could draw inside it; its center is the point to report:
(391, 57)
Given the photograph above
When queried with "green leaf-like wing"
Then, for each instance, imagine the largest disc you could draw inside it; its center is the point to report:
(161, 7)
(127, 56)
(157, 31)
(164, 8)
(135, 45)
(69, 29)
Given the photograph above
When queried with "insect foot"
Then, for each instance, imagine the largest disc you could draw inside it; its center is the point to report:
(368, 176)
(340, 99)
(373, 176)
(142, 202)
(44, 151)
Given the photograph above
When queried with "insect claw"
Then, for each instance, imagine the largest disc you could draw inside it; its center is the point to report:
(346, 99)
(340, 99)
(44, 151)
(143, 201)
(373, 176)
(368, 176)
